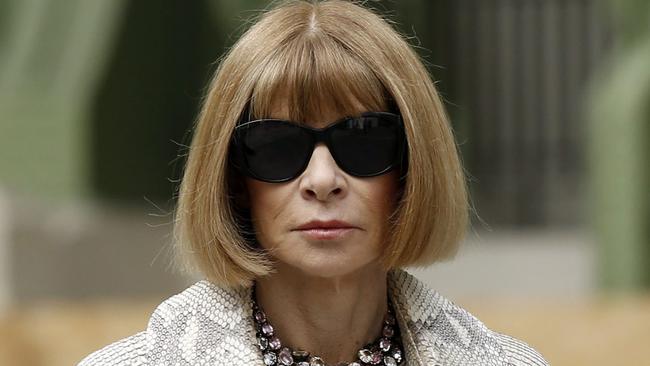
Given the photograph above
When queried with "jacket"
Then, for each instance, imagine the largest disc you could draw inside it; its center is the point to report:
(209, 325)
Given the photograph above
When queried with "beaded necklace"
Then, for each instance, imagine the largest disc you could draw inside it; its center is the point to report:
(386, 350)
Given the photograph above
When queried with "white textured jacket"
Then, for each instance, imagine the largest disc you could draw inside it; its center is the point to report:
(209, 325)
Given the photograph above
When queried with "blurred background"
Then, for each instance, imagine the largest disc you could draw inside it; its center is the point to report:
(550, 102)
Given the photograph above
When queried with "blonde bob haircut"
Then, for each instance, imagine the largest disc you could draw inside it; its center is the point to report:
(319, 53)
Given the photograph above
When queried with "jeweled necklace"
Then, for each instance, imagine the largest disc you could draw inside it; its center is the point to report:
(386, 350)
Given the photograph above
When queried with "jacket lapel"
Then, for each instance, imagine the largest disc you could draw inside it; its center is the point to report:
(415, 306)
(204, 324)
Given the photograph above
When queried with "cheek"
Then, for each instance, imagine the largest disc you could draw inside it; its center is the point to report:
(376, 202)
(267, 202)
(381, 194)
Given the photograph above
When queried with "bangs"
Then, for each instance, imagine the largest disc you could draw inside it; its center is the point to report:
(313, 72)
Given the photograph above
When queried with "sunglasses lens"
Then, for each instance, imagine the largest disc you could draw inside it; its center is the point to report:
(275, 151)
(367, 145)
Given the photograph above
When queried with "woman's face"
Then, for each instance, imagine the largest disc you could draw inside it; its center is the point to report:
(322, 193)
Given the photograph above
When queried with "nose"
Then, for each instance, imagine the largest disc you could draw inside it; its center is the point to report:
(323, 179)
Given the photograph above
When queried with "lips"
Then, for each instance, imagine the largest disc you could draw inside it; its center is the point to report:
(326, 230)
(331, 224)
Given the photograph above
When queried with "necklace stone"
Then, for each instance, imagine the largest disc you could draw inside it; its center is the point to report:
(386, 350)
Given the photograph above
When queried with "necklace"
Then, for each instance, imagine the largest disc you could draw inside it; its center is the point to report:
(386, 350)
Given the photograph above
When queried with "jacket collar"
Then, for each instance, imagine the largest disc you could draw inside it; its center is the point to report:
(207, 324)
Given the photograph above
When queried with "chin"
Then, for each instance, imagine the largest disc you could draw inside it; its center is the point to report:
(329, 267)
(325, 271)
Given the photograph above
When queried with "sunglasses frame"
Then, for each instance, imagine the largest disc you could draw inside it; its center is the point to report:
(238, 158)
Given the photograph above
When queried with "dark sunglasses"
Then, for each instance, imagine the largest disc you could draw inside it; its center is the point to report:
(274, 150)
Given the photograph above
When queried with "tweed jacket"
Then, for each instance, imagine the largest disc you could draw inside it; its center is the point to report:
(209, 325)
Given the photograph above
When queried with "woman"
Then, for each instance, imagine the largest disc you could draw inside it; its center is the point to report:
(321, 164)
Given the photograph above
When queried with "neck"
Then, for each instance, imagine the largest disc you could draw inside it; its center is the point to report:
(330, 317)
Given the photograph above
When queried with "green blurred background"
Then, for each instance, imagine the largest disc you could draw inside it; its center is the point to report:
(550, 102)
